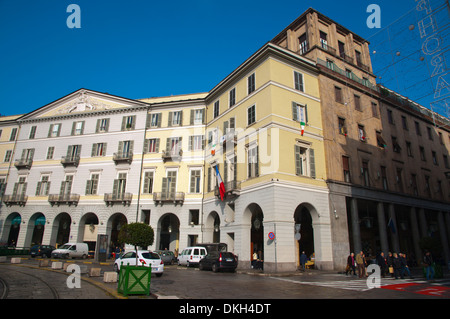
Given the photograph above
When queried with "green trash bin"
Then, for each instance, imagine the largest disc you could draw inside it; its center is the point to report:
(134, 280)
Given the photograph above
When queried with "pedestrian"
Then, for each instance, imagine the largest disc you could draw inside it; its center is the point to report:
(404, 263)
(350, 264)
(389, 261)
(428, 263)
(381, 261)
(360, 264)
(397, 266)
(303, 261)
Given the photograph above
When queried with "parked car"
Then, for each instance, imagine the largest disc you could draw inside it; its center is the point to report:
(41, 250)
(144, 258)
(191, 255)
(71, 250)
(218, 261)
(167, 256)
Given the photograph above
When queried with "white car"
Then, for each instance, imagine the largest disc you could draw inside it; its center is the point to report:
(145, 258)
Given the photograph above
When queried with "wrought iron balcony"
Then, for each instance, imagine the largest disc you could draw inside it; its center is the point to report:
(15, 199)
(232, 189)
(120, 198)
(70, 160)
(23, 163)
(63, 199)
(172, 154)
(123, 157)
(175, 197)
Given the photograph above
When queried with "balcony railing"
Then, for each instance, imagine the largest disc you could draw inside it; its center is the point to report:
(15, 199)
(175, 197)
(172, 154)
(232, 189)
(70, 160)
(123, 157)
(120, 198)
(23, 163)
(63, 199)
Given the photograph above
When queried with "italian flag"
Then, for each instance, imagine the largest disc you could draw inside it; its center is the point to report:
(220, 183)
(302, 126)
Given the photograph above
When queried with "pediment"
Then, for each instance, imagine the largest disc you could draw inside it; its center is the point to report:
(82, 101)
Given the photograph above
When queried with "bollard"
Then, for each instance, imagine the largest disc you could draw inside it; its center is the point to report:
(57, 265)
(3, 259)
(44, 263)
(94, 272)
(110, 276)
(16, 260)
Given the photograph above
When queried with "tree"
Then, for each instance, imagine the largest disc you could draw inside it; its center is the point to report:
(136, 234)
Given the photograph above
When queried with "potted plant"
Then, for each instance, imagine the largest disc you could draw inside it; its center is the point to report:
(135, 279)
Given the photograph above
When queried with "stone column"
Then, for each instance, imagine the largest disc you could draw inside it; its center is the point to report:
(415, 234)
(443, 236)
(357, 246)
(382, 228)
(423, 223)
(395, 242)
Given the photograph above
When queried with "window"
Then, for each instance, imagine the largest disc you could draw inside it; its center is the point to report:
(384, 177)
(194, 216)
(54, 130)
(414, 184)
(66, 186)
(251, 115)
(252, 162)
(361, 133)
(154, 120)
(197, 116)
(175, 118)
(357, 100)
(7, 156)
(251, 84)
(119, 185)
(232, 97)
(98, 149)
(73, 152)
(92, 184)
(128, 123)
(323, 40)
(151, 145)
(390, 117)
(427, 186)
(32, 132)
(195, 186)
(298, 81)
(434, 157)
(446, 161)
(408, 149)
(303, 44)
(50, 151)
(395, 146)
(422, 153)
(126, 148)
(12, 137)
(365, 173)
(341, 125)
(102, 126)
(77, 128)
(20, 188)
(196, 143)
(404, 123)
(430, 134)
(148, 182)
(216, 109)
(380, 140)
(417, 125)
(441, 140)
(299, 113)
(173, 145)
(398, 177)
(338, 94)
(346, 168)
(169, 184)
(375, 109)
(341, 47)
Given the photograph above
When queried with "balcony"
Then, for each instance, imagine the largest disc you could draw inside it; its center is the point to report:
(15, 199)
(362, 66)
(172, 154)
(232, 190)
(176, 198)
(121, 198)
(70, 160)
(63, 199)
(120, 157)
(23, 163)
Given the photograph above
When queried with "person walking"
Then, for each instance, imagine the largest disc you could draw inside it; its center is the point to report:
(360, 264)
(428, 263)
(381, 261)
(404, 265)
(303, 261)
(397, 266)
(350, 265)
(390, 264)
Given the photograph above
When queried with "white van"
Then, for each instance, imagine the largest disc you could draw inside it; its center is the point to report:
(191, 255)
(71, 250)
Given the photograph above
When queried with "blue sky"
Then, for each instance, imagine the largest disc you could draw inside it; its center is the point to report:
(138, 49)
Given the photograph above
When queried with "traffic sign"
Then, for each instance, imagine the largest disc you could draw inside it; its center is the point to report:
(271, 236)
